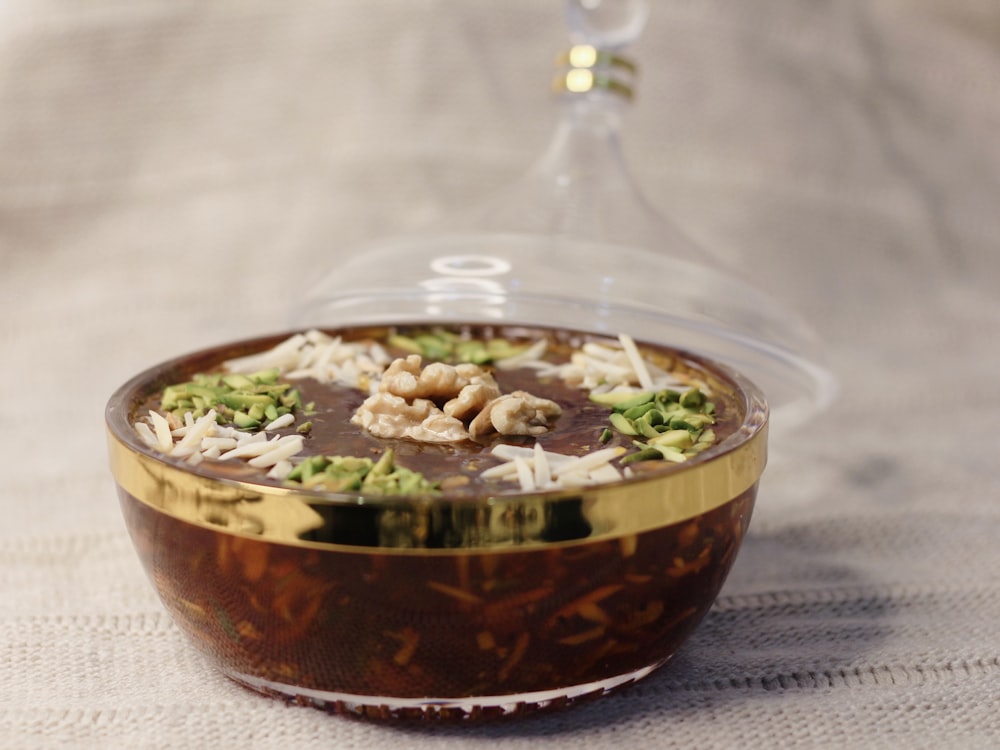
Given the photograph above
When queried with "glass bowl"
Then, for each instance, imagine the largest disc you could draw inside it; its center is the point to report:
(444, 605)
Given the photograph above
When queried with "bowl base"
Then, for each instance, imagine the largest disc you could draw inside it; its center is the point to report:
(438, 709)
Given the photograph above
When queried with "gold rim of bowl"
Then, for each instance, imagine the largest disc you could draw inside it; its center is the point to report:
(323, 520)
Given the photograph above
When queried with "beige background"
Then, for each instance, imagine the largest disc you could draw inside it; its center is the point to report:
(170, 171)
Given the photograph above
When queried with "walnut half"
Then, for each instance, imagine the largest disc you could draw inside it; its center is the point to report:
(432, 404)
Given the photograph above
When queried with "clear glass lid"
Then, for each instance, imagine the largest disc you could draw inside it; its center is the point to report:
(574, 243)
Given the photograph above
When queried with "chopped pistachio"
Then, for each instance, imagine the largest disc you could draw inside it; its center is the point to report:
(634, 401)
(646, 454)
(637, 411)
(246, 401)
(672, 454)
(349, 473)
(692, 398)
(244, 421)
(673, 439)
(645, 428)
(238, 381)
(672, 421)
(448, 346)
(406, 343)
(621, 423)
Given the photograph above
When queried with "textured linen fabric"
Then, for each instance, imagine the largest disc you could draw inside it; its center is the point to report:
(170, 172)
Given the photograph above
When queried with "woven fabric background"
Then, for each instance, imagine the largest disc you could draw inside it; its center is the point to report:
(171, 172)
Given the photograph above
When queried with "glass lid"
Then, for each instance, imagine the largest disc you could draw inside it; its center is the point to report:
(574, 243)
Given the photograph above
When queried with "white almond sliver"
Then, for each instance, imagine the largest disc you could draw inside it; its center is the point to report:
(543, 475)
(280, 470)
(638, 364)
(588, 462)
(198, 431)
(573, 480)
(316, 336)
(146, 435)
(218, 443)
(164, 440)
(211, 452)
(605, 473)
(510, 452)
(597, 351)
(529, 356)
(248, 449)
(283, 421)
(524, 474)
(283, 449)
(248, 438)
(500, 471)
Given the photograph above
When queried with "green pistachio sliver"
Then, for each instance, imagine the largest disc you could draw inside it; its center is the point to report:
(621, 423)
(692, 398)
(654, 417)
(266, 377)
(292, 399)
(346, 473)
(667, 396)
(672, 454)
(342, 483)
(449, 337)
(434, 347)
(238, 382)
(503, 349)
(637, 411)
(699, 421)
(616, 398)
(690, 422)
(244, 421)
(304, 428)
(384, 465)
(606, 435)
(679, 439)
(630, 403)
(472, 351)
(306, 468)
(240, 400)
(406, 343)
(645, 428)
(646, 454)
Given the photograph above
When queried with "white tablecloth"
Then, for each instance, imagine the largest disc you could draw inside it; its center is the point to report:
(165, 165)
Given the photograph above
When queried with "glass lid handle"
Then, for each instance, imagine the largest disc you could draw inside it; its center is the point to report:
(606, 24)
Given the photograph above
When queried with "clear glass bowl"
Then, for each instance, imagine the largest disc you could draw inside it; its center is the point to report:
(439, 606)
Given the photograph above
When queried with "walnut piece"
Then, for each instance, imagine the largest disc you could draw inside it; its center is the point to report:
(385, 415)
(432, 404)
(517, 413)
(437, 381)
